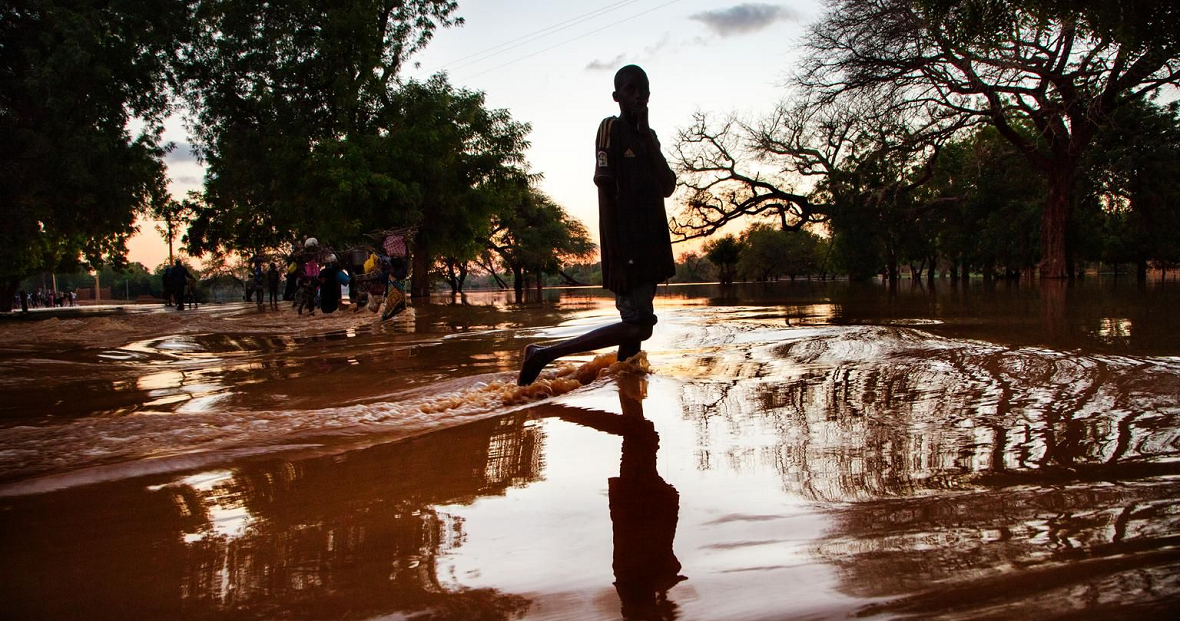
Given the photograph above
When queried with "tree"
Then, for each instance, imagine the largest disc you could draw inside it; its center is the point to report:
(294, 111)
(693, 267)
(170, 214)
(1061, 68)
(73, 75)
(811, 163)
(1131, 177)
(764, 253)
(790, 164)
(714, 161)
(460, 161)
(725, 254)
(993, 220)
(534, 235)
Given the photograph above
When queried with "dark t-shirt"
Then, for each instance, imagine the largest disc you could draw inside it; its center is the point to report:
(633, 227)
(179, 276)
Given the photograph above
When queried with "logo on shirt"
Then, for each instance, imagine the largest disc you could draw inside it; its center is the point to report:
(602, 159)
(628, 153)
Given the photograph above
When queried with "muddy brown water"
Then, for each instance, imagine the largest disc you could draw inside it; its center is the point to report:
(786, 451)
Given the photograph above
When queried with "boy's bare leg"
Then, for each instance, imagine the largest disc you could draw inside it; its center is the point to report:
(626, 336)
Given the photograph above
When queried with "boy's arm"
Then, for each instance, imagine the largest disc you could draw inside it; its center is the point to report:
(664, 174)
(604, 174)
(604, 165)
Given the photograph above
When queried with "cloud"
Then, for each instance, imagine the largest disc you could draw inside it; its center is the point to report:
(183, 152)
(606, 65)
(651, 50)
(745, 18)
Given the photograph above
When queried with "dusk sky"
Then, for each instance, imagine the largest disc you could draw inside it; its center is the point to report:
(551, 64)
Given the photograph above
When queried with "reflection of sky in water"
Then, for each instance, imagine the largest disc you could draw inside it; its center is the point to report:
(160, 380)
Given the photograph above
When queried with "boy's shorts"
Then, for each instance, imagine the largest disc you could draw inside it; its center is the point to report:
(635, 306)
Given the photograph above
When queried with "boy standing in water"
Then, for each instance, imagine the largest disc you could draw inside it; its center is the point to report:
(633, 179)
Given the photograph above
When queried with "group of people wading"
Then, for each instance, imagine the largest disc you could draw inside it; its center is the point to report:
(315, 276)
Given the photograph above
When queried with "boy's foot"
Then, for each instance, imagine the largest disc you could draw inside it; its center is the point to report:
(530, 367)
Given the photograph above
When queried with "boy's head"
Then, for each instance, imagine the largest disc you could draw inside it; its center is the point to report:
(632, 90)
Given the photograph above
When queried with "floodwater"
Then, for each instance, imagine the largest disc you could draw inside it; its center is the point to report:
(785, 451)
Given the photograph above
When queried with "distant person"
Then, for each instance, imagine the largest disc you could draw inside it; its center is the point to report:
(332, 277)
(167, 282)
(24, 301)
(180, 278)
(292, 278)
(257, 281)
(633, 179)
(309, 280)
(272, 285)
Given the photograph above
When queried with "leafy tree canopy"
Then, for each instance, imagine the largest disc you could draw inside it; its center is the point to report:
(1061, 68)
(294, 106)
(533, 234)
(72, 175)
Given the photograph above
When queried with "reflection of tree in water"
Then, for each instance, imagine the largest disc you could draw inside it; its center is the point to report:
(345, 536)
(991, 480)
(865, 412)
(1019, 552)
(360, 528)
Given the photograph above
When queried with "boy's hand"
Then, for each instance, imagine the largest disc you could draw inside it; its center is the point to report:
(641, 122)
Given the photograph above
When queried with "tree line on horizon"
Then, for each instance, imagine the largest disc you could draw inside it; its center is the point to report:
(987, 135)
(978, 209)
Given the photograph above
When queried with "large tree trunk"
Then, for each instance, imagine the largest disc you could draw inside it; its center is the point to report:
(420, 276)
(1141, 271)
(517, 281)
(8, 288)
(891, 271)
(1053, 222)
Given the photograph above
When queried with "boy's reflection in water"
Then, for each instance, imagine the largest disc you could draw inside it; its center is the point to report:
(643, 507)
